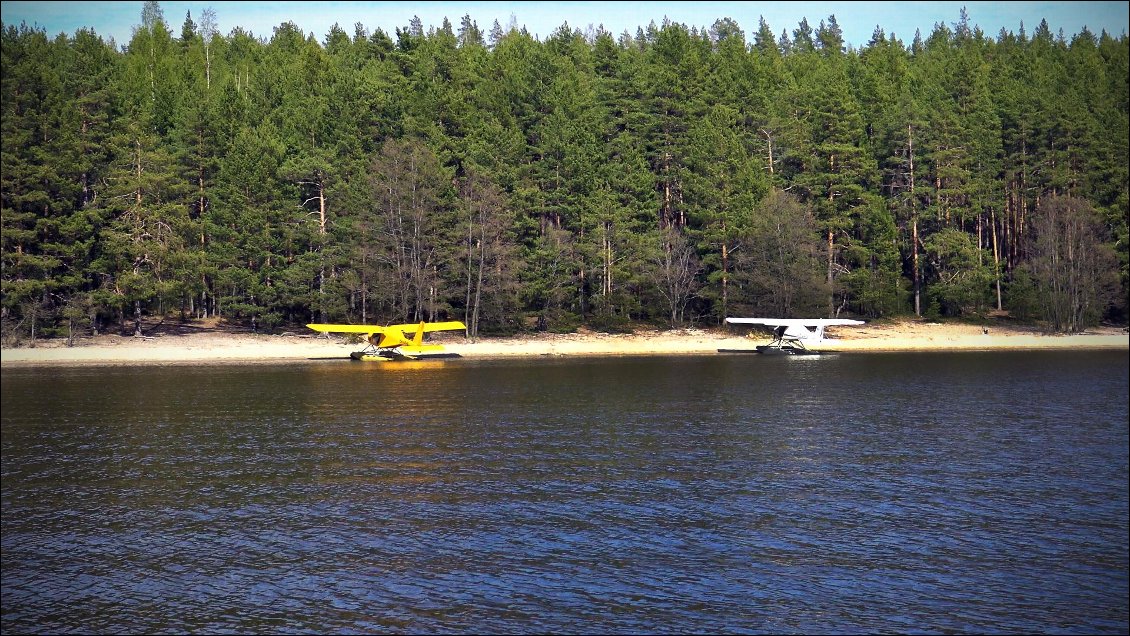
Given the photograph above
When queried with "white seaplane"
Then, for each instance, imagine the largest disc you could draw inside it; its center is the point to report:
(395, 342)
(792, 336)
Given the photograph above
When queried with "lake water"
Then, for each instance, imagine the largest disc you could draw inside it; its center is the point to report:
(971, 492)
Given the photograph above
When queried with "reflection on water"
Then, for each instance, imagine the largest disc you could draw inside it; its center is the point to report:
(871, 493)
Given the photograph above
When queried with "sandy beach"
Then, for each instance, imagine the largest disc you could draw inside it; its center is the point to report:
(193, 345)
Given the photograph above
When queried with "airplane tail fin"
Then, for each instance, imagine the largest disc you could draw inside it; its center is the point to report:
(418, 339)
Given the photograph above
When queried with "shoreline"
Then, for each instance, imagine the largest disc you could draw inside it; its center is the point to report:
(212, 346)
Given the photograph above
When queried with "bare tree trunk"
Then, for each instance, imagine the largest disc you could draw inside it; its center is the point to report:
(606, 285)
(725, 278)
(770, 140)
(980, 236)
(364, 287)
(914, 227)
(831, 273)
(468, 312)
(479, 283)
(321, 185)
(917, 269)
(996, 256)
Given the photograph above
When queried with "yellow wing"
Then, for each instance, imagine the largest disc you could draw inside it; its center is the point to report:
(451, 325)
(346, 328)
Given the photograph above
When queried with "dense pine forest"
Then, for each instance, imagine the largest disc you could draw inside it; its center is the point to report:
(672, 176)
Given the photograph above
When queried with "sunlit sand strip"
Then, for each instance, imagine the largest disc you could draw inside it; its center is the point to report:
(218, 347)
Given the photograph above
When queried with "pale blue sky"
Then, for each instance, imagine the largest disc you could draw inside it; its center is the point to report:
(857, 19)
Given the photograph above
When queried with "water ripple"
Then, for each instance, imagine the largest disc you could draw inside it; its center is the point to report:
(970, 493)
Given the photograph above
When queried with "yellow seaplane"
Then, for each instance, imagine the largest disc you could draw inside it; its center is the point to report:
(395, 342)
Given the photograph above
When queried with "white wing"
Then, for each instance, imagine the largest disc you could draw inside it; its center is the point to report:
(802, 329)
(794, 322)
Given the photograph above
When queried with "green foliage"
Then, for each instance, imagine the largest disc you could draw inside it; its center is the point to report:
(1023, 296)
(961, 280)
(1073, 270)
(674, 176)
(779, 267)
